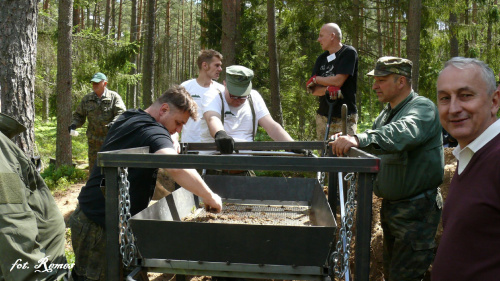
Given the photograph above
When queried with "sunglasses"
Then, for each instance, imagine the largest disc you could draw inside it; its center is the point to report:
(238, 98)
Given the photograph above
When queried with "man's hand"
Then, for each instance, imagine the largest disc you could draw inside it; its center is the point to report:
(224, 142)
(71, 127)
(333, 92)
(213, 203)
(311, 83)
(341, 144)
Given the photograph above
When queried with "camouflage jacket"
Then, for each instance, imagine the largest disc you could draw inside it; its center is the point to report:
(408, 140)
(100, 113)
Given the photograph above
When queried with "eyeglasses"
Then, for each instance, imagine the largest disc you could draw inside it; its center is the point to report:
(238, 98)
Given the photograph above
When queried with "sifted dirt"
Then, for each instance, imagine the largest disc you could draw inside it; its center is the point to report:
(254, 214)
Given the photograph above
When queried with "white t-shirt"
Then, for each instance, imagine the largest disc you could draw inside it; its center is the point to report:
(191, 130)
(237, 120)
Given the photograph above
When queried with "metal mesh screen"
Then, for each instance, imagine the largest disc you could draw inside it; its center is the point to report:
(255, 214)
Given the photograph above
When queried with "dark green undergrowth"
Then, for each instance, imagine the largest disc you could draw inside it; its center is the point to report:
(45, 139)
(62, 177)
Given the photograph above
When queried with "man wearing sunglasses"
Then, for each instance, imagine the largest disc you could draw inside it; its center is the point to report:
(235, 113)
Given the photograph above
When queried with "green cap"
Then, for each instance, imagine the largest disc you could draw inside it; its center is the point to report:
(239, 80)
(10, 126)
(392, 65)
(98, 77)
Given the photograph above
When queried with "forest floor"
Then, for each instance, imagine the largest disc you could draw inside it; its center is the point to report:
(67, 201)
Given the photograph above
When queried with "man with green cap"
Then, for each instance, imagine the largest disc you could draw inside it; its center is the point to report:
(230, 117)
(31, 226)
(101, 108)
(407, 138)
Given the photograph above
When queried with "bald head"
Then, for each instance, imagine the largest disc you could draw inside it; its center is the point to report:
(333, 28)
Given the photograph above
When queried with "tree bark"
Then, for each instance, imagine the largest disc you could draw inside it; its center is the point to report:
(379, 31)
(229, 29)
(453, 35)
(18, 36)
(413, 41)
(119, 33)
(112, 29)
(168, 53)
(132, 88)
(148, 57)
(76, 18)
(466, 22)
(273, 63)
(107, 16)
(64, 82)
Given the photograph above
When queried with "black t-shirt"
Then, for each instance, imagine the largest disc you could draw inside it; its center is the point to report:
(345, 62)
(134, 128)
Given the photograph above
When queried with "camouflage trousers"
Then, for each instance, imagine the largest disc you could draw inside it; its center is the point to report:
(335, 125)
(89, 245)
(409, 228)
(94, 147)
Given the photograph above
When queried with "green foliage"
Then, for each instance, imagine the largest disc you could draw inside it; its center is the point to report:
(69, 253)
(45, 139)
(62, 177)
(212, 23)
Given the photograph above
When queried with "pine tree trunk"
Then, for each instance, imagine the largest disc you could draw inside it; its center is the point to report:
(18, 32)
(113, 19)
(273, 63)
(119, 32)
(107, 16)
(413, 41)
(148, 57)
(229, 26)
(64, 82)
(453, 35)
(132, 88)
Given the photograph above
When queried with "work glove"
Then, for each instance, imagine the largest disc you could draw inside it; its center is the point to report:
(224, 142)
(311, 83)
(71, 127)
(333, 93)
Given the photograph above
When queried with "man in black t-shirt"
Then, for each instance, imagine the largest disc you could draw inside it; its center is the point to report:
(152, 127)
(337, 67)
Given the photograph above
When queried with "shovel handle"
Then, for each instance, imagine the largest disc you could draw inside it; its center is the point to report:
(343, 115)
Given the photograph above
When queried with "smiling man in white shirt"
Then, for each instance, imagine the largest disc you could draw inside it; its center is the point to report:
(468, 103)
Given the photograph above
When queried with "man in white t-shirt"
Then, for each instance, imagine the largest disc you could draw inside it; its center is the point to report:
(209, 66)
(239, 119)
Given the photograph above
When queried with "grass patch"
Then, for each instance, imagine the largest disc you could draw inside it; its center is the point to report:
(62, 177)
(45, 139)
(68, 251)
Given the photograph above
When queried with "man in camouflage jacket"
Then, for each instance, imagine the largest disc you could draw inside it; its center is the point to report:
(407, 138)
(101, 108)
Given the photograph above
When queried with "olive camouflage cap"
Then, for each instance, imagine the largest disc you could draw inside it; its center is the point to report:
(10, 126)
(239, 80)
(98, 77)
(392, 65)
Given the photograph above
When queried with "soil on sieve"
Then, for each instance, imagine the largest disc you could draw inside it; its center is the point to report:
(255, 215)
